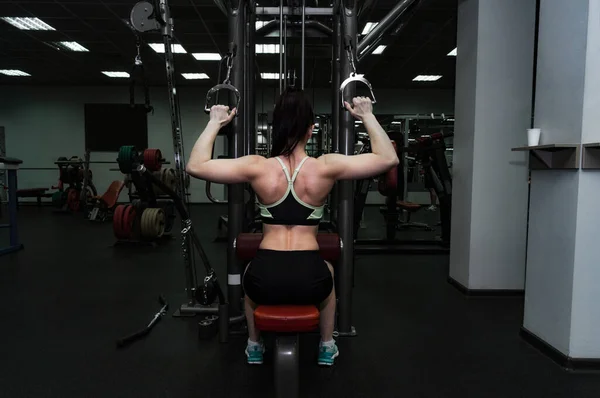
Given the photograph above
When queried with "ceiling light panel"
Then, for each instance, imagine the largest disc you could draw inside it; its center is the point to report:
(160, 48)
(195, 76)
(71, 46)
(453, 53)
(369, 27)
(379, 49)
(268, 48)
(427, 78)
(116, 74)
(27, 23)
(207, 56)
(13, 72)
(269, 75)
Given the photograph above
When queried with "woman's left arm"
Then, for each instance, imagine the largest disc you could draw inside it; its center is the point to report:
(223, 171)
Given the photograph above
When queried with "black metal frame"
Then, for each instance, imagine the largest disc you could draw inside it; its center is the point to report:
(345, 219)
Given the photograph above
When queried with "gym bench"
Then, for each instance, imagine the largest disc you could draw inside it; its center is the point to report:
(287, 321)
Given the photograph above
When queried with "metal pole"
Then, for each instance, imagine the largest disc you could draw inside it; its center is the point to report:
(285, 70)
(346, 188)
(280, 46)
(335, 109)
(382, 27)
(235, 211)
(250, 55)
(177, 133)
(303, 26)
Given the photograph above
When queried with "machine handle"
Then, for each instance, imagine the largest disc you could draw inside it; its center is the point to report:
(219, 87)
(354, 77)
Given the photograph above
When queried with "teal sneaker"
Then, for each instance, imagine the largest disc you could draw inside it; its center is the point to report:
(255, 354)
(327, 354)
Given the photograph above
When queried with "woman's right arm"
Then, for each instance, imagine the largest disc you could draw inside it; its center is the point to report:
(354, 167)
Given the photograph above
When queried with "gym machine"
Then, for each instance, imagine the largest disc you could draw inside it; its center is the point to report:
(429, 151)
(11, 165)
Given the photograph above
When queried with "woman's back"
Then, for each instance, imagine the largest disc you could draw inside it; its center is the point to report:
(311, 186)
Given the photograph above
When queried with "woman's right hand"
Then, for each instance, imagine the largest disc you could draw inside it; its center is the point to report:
(361, 107)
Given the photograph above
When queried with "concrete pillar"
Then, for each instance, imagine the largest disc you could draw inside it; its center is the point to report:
(562, 293)
(494, 83)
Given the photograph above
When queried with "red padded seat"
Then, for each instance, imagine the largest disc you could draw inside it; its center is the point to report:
(286, 318)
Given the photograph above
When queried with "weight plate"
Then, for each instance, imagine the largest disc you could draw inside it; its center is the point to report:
(169, 179)
(146, 230)
(118, 221)
(159, 222)
(128, 220)
(206, 329)
(126, 158)
(73, 199)
(152, 159)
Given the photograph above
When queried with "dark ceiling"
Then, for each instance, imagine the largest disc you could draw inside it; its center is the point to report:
(420, 48)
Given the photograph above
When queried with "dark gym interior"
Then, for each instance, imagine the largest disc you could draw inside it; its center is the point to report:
(457, 271)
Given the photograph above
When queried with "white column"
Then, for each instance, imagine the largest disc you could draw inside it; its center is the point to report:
(494, 79)
(562, 294)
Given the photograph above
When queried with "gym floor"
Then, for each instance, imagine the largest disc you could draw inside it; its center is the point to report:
(70, 294)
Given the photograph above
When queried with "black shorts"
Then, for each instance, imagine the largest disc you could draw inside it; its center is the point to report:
(287, 278)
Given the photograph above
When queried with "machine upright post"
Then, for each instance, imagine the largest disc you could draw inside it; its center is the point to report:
(177, 133)
(335, 108)
(235, 213)
(303, 41)
(280, 46)
(345, 221)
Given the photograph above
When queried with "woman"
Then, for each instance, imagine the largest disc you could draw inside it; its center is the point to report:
(292, 189)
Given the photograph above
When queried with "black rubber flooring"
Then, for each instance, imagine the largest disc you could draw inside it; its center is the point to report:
(70, 294)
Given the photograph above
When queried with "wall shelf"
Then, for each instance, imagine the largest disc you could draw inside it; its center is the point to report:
(590, 156)
(552, 157)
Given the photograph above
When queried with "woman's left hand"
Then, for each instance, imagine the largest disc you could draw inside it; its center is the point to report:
(220, 114)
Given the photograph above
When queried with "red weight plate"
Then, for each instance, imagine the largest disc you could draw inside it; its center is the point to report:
(152, 159)
(73, 200)
(128, 219)
(118, 221)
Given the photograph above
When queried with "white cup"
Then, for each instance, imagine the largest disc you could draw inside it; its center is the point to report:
(533, 137)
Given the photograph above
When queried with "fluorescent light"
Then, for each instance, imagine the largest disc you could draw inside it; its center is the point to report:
(160, 48)
(379, 49)
(207, 56)
(260, 24)
(358, 122)
(267, 48)
(116, 74)
(369, 27)
(269, 75)
(13, 72)
(28, 23)
(71, 46)
(452, 53)
(396, 122)
(195, 76)
(427, 78)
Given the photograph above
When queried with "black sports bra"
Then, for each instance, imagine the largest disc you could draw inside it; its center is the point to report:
(290, 210)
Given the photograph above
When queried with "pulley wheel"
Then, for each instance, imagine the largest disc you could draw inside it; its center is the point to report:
(153, 159)
(169, 179)
(153, 223)
(126, 158)
(118, 222)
